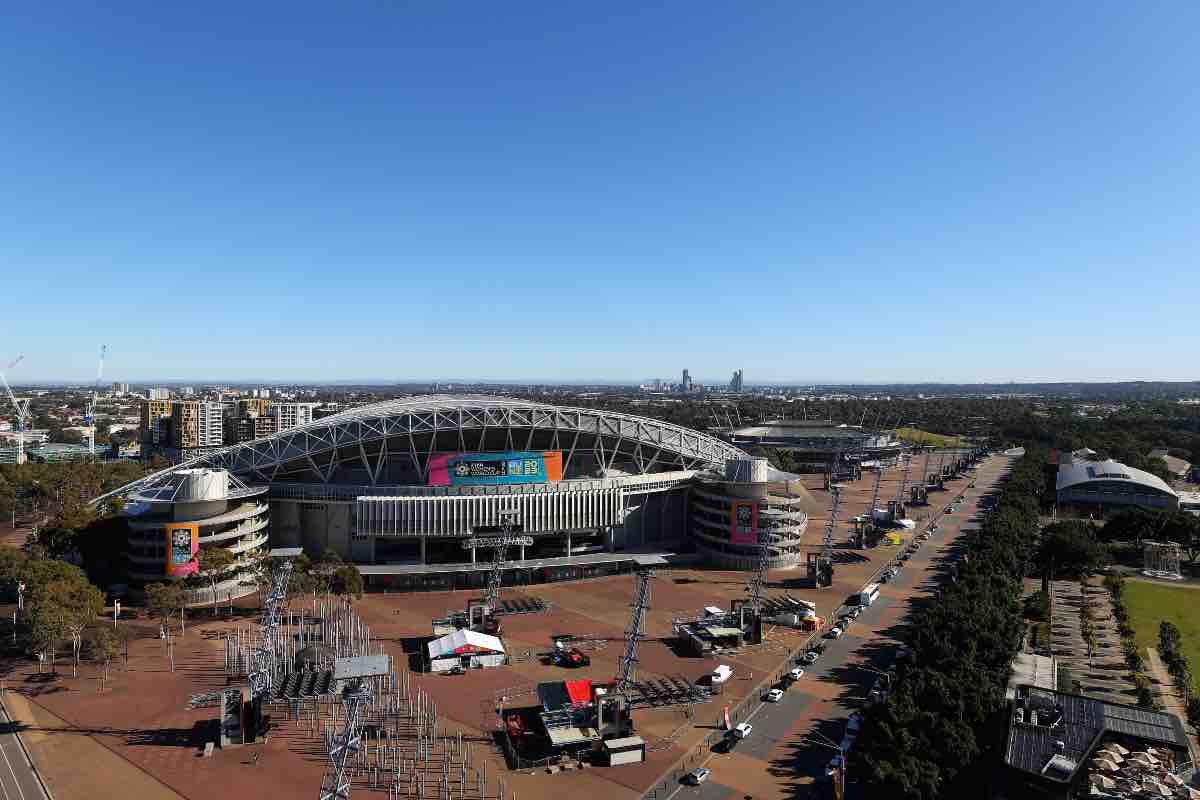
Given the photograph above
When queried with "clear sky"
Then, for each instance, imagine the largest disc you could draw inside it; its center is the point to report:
(812, 191)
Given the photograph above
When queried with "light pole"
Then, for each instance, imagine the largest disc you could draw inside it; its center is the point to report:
(825, 741)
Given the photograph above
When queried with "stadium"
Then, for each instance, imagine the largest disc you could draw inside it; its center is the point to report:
(398, 488)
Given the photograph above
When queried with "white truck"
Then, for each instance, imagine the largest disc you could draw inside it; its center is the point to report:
(869, 594)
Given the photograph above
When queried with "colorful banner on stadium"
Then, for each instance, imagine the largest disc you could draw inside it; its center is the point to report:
(743, 523)
(492, 469)
(183, 542)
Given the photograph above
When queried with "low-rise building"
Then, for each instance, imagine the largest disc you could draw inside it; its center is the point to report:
(1057, 744)
(172, 520)
(1097, 487)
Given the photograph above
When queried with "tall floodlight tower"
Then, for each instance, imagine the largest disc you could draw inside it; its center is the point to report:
(20, 407)
(89, 417)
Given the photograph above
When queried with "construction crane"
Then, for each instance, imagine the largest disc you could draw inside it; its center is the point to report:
(20, 406)
(89, 417)
(634, 634)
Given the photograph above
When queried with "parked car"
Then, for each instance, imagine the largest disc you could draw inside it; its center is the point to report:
(742, 730)
(810, 657)
(774, 696)
(697, 776)
(796, 673)
(834, 633)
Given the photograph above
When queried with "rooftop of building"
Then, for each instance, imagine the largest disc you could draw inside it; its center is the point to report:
(1052, 733)
(1080, 472)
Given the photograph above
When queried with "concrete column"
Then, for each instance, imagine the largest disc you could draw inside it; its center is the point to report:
(423, 550)
(608, 534)
(522, 552)
(472, 555)
(568, 543)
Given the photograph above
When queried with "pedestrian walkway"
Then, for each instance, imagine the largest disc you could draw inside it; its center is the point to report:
(1102, 674)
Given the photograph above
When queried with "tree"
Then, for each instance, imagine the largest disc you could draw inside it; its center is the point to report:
(346, 581)
(1068, 550)
(104, 643)
(47, 626)
(1168, 639)
(165, 600)
(214, 562)
(78, 604)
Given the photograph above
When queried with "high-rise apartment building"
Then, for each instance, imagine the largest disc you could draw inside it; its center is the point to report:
(197, 424)
(158, 393)
(155, 422)
(292, 414)
(248, 427)
(253, 407)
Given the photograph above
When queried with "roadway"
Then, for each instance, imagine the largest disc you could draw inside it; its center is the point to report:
(776, 760)
(18, 780)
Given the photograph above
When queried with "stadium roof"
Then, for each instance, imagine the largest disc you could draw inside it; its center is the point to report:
(1081, 472)
(319, 447)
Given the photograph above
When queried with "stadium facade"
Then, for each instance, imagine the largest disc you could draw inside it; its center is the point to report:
(397, 487)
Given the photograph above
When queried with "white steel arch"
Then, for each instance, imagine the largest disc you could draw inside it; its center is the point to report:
(322, 444)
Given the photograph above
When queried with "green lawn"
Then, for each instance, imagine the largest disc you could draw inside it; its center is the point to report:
(1151, 603)
(918, 436)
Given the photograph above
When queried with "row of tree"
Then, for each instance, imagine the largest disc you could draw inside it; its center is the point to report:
(939, 720)
(60, 605)
(1170, 649)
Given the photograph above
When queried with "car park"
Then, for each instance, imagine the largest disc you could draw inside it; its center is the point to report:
(773, 696)
(697, 776)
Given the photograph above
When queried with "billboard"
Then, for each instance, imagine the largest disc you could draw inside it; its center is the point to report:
(494, 469)
(183, 542)
(743, 523)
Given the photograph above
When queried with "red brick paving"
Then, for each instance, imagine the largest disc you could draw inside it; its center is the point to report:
(142, 716)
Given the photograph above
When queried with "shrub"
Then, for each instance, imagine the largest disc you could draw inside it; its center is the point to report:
(1145, 697)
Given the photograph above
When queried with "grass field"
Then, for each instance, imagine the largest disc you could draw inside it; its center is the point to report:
(918, 436)
(1151, 603)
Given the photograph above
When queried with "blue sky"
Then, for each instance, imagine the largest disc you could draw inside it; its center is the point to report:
(578, 190)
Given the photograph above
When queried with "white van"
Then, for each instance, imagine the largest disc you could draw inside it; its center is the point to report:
(742, 730)
(721, 674)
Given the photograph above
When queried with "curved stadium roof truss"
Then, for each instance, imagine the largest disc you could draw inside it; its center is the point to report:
(413, 429)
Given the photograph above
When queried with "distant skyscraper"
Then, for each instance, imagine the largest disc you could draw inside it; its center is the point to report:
(735, 385)
(685, 383)
(186, 391)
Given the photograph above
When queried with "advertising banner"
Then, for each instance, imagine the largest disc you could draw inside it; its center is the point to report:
(494, 469)
(183, 543)
(743, 524)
